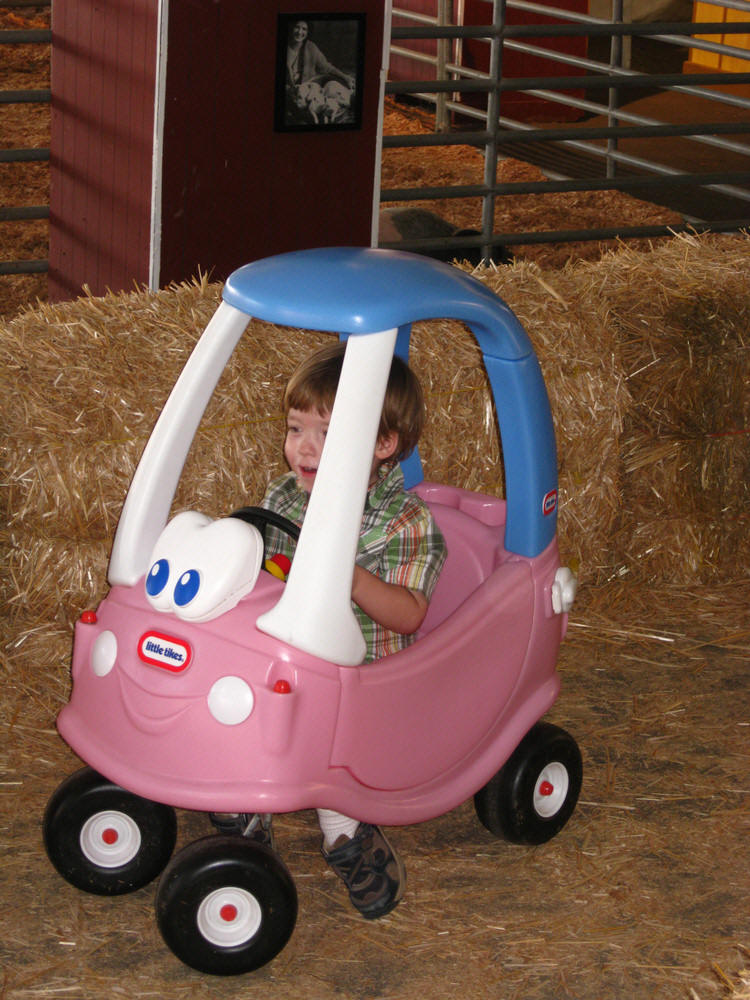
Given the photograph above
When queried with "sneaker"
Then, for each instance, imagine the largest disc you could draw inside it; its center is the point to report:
(253, 826)
(370, 869)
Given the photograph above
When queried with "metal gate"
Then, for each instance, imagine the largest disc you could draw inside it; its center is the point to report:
(590, 153)
(575, 155)
(18, 213)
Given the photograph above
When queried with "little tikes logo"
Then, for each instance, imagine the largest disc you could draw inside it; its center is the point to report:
(164, 651)
(549, 503)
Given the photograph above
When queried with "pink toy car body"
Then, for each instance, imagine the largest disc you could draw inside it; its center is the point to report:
(254, 702)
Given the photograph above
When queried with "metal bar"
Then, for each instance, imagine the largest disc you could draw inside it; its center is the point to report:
(493, 116)
(641, 80)
(719, 97)
(25, 36)
(23, 212)
(518, 132)
(441, 116)
(437, 86)
(435, 139)
(25, 96)
(730, 4)
(587, 133)
(582, 26)
(568, 235)
(616, 232)
(703, 133)
(538, 8)
(613, 95)
(696, 43)
(24, 266)
(620, 183)
(24, 155)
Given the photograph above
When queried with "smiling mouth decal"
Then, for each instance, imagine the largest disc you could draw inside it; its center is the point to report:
(149, 712)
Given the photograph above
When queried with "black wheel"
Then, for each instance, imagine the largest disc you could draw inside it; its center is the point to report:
(261, 517)
(103, 839)
(533, 795)
(226, 905)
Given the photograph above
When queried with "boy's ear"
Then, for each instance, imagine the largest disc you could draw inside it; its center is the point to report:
(386, 446)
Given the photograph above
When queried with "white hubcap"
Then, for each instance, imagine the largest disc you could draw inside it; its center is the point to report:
(110, 839)
(551, 789)
(229, 917)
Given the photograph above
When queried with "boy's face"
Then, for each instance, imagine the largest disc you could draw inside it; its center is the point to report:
(305, 436)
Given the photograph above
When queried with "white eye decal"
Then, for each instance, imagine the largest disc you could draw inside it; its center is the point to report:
(201, 568)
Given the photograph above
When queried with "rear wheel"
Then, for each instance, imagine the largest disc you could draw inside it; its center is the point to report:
(226, 905)
(103, 839)
(534, 794)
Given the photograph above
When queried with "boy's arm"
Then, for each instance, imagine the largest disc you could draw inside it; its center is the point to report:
(394, 607)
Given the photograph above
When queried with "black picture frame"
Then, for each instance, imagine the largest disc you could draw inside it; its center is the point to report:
(319, 77)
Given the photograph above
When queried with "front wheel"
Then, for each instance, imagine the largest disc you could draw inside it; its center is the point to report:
(226, 905)
(534, 794)
(103, 839)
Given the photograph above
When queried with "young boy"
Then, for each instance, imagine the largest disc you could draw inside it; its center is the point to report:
(399, 558)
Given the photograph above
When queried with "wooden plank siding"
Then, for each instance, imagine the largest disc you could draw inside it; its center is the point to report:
(103, 69)
(229, 188)
(234, 190)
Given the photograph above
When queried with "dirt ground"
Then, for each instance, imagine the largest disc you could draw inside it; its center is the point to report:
(643, 894)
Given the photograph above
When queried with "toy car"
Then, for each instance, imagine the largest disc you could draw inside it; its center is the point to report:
(203, 683)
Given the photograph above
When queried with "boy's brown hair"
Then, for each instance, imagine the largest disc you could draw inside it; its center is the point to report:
(313, 387)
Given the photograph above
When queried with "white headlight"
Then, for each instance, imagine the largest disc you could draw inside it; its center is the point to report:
(564, 590)
(230, 701)
(104, 653)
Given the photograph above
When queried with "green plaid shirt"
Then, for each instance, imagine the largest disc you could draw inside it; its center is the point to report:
(398, 542)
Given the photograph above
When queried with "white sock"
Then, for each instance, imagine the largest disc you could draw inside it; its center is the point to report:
(334, 825)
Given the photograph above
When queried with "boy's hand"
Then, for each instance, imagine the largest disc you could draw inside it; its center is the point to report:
(390, 605)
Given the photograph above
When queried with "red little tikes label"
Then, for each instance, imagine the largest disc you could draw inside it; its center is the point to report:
(165, 651)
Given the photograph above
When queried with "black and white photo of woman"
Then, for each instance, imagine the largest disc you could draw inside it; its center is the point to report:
(317, 91)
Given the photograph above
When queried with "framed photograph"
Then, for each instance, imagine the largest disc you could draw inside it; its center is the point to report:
(319, 72)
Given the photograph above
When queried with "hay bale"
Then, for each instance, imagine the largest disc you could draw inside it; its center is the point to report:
(680, 316)
(567, 324)
(76, 428)
(646, 366)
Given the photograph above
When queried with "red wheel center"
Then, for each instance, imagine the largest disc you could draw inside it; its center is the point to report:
(546, 788)
(109, 836)
(228, 912)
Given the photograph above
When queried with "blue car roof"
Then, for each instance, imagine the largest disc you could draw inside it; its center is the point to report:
(360, 290)
(352, 291)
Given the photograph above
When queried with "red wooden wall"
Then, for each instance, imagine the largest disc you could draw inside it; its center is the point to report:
(235, 190)
(103, 72)
(232, 189)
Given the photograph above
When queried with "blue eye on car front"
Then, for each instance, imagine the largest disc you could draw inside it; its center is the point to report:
(157, 578)
(187, 587)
